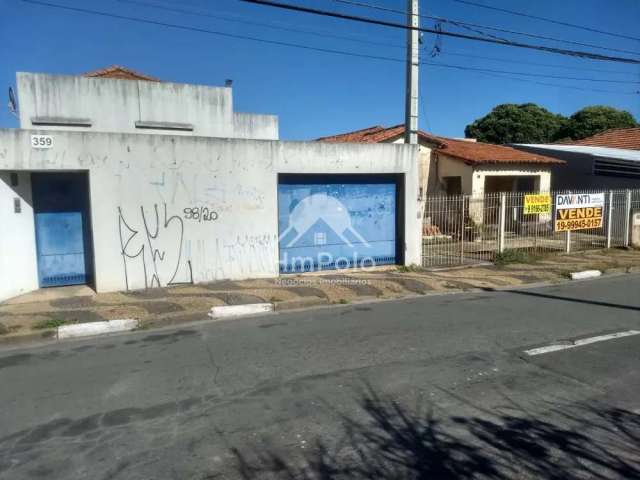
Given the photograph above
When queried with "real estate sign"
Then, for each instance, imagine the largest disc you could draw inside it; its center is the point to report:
(579, 211)
(540, 203)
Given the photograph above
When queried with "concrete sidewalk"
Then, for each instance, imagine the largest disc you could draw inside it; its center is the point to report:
(36, 315)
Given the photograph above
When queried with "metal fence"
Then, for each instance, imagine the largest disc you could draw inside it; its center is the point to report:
(463, 229)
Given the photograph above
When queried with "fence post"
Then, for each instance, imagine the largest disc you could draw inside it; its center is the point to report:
(568, 242)
(462, 230)
(503, 215)
(627, 220)
(609, 217)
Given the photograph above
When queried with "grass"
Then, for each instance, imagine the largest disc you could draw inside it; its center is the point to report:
(3, 329)
(52, 323)
(275, 299)
(516, 256)
(408, 268)
(343, 301)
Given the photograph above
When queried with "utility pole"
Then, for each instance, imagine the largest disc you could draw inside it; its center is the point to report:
(413, 67)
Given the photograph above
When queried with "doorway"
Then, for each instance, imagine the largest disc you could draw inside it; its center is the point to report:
(63, 228)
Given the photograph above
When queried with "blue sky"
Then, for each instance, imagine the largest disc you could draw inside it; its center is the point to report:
(317, 93)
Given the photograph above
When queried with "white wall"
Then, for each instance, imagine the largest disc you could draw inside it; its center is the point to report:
(257, 127)
(18, 268)
(481, 173)
(447, 166)
(133, 175)
(115, 105)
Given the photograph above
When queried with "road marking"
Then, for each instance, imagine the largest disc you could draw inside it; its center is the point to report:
(580, 343)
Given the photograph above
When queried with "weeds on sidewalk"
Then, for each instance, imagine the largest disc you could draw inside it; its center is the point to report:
(516, 256)
(52, 323)
(409, 268)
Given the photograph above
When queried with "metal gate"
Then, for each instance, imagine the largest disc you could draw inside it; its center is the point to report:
(330, 222)
(61, 210)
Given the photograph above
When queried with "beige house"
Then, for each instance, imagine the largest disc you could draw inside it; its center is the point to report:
(456, 166)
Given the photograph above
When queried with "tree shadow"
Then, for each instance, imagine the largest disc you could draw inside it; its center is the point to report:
(567, 442)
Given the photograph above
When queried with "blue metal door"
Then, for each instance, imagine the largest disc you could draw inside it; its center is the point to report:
(329, 222)
(60, 202)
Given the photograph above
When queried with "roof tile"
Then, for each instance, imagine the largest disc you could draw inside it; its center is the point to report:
(116, 71)
(627, 138)
(472, 153)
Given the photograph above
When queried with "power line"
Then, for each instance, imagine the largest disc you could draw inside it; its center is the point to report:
(537, 75)
(536, 64)
(207, 31)
(258, 24)
(549, 20)
(296, 45)
(487, 27)
(372, 21)
(546, 84)
(201, 13)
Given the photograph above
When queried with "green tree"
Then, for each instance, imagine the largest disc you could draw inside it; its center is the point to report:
(594, 119)
(511, 123)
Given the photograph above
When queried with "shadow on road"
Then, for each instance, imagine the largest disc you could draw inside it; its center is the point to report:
(566, 299)
(394, 443)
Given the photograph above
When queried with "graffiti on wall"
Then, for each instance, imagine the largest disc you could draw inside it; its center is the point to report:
(200, 214)
(151, 247)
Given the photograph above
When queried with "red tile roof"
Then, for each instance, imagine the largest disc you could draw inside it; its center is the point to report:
(626, 138)
(116, 71)
(471, 153)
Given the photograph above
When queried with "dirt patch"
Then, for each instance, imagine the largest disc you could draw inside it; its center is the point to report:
(238, 298)
(156, 308)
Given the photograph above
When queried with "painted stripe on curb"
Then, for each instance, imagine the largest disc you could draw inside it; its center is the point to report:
(222, 311)
(96, 328)
(580, 343)
(585, 274)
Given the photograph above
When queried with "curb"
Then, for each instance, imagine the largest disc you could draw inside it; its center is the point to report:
(226, 311)
(90, 329)
(28, 338)
(51, 335)
(300, 303)
(585, 274)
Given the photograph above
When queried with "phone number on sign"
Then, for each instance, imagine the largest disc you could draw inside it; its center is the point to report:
(564, 225)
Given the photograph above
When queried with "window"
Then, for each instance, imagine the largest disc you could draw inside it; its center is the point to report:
(616, 168)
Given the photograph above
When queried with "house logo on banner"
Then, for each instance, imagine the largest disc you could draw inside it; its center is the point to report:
(316, 208)
(321, 231)
(579, 211)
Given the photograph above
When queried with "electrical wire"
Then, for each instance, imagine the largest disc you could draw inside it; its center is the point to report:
(258, 24)
(323, 50)
(364, 42)
(536, 64)
(486, 27)
(372, 21)
(549, 20)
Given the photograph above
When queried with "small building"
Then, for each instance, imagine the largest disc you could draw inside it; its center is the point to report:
(120, 181)
(608, 160)
(463, 166)
(117, 99)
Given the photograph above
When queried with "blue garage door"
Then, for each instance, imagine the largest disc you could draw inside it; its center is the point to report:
(61, 210)
(333, 222)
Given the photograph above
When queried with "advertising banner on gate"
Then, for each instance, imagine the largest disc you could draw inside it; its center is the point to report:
(579, 211)
(540, 203)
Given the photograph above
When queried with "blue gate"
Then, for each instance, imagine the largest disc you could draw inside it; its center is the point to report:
(61, 210)
(329, 222)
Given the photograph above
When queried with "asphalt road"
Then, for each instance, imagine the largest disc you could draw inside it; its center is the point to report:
(432, 387)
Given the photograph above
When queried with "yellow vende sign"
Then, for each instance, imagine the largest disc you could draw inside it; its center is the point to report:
(537, 204)
(579, 211)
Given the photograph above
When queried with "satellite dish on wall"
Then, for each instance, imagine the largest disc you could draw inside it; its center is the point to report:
(13, 104)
